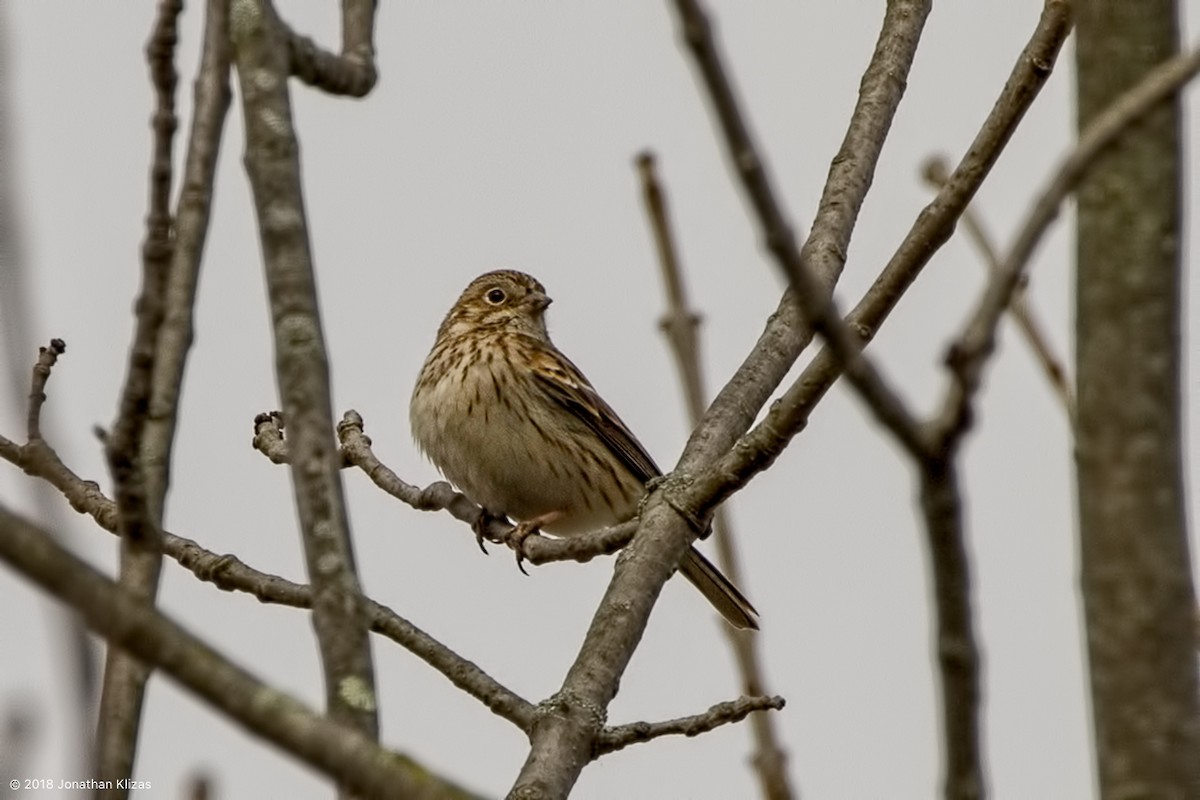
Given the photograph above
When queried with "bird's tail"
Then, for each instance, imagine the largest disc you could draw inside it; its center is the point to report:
(718, 590)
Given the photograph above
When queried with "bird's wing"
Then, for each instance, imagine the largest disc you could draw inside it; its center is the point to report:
(566, 385)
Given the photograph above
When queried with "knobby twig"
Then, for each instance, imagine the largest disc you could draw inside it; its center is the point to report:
(138, 510)
(621, 736)
(126, 621)
(229, 573)
(356, 451)
(272, 161)
(936, 173)
(680, 324)
(353, 72)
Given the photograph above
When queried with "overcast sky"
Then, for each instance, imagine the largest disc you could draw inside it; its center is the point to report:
(503, 135)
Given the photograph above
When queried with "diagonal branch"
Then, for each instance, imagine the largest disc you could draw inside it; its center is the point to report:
(680, 324)
(560, 742)
(901, 32)
(933, 227)
(969, 354)
(229, 573)
(336, 749)
(957, 651)
(934, 171)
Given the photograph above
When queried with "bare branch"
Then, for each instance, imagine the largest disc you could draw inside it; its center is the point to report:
(128, 622)
(301, 363)
(759, 448)
(355, 451)
(621, 736)
(958, 654)
(138, 507)
(901, 30)
(969, 354)
(211, 102)
(560, 742)
(943, 507)
(936, 173)
(229, 573)
(680, 323)
(47, 358)
(537, 549)
(353, 72)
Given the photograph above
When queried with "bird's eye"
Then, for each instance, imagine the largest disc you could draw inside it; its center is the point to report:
(496, 296)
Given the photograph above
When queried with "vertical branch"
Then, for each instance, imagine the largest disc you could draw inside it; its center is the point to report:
(680, 324)
(211, 103)
(1137, 584)
(957, 652)
(124, 677)
(301, 364)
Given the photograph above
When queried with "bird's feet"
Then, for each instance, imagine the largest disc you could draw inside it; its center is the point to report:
(526, 528)
(480, 527)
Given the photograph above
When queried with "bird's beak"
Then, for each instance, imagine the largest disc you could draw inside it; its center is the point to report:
(538, 301)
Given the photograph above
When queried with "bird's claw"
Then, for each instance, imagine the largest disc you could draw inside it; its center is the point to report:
(516, 540)
(480, 528)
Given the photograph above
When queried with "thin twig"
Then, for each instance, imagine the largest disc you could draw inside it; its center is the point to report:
(229, 573)
(138, 510)
(301, 363)
(536, 549)
(47, 358)
(680, 324)
(936, 173)
(619, 737)
(969, 354)
(353, 72)
(356, 451)
(126, 621)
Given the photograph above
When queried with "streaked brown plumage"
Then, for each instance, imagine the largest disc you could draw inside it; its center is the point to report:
(518, 428)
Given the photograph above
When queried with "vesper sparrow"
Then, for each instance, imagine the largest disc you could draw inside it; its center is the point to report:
(518, 428)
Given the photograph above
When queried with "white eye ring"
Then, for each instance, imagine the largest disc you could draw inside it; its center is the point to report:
(495, 296)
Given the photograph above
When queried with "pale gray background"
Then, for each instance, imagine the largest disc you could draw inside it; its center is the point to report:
(502, 135)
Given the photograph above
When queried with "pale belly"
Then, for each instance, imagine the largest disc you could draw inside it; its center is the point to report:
(498, 457)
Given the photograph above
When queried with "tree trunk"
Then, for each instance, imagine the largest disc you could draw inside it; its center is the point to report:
(1136, 568)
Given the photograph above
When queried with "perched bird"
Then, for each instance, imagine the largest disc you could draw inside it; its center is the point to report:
(518, 428)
